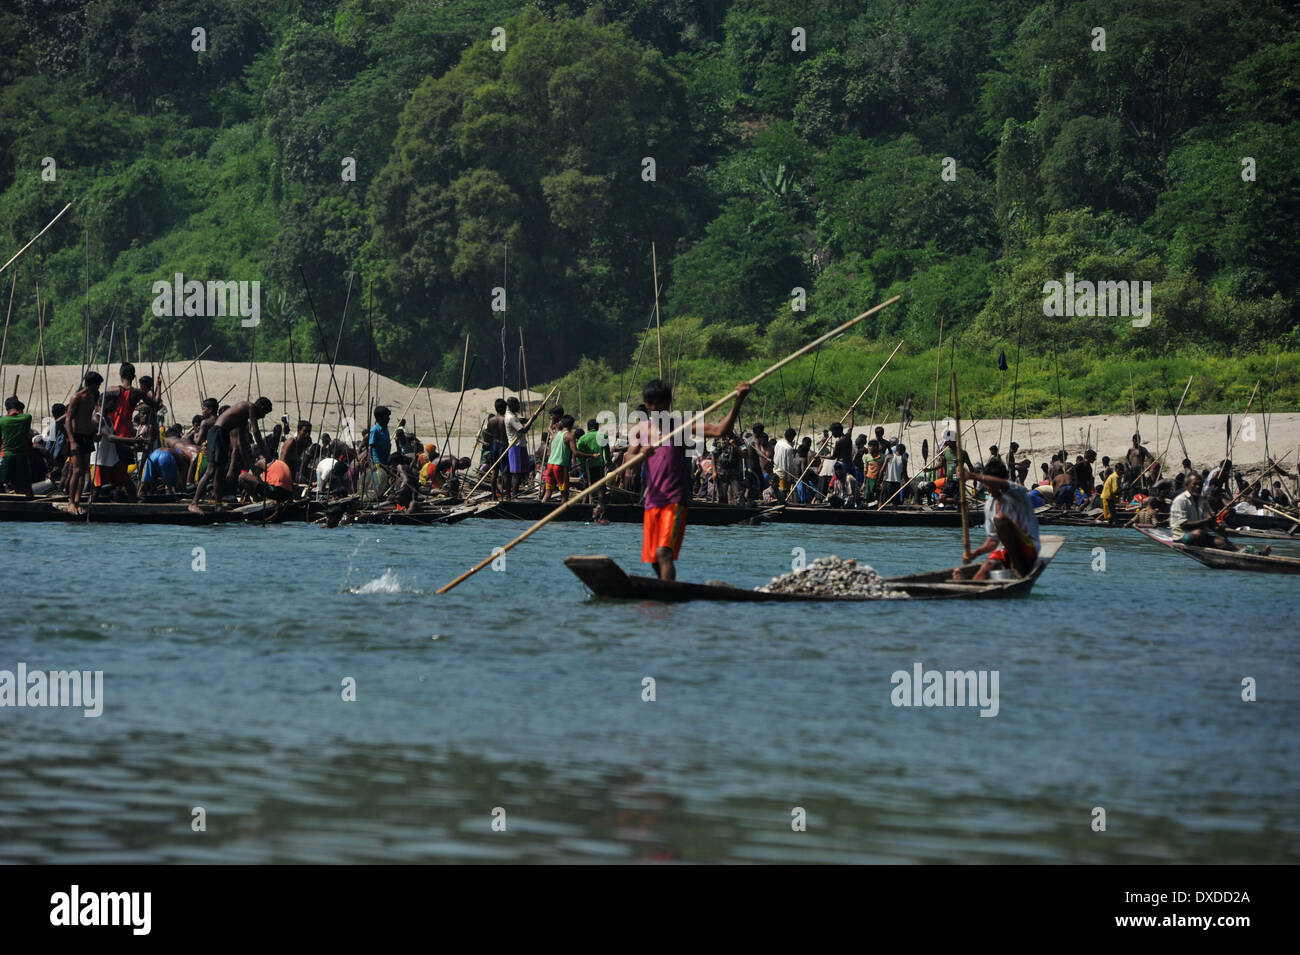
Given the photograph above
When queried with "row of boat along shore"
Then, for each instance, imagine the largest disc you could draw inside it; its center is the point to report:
(168, 509)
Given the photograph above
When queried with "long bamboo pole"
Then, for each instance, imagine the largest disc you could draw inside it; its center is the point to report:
(40, 345)
(320, 333)
(15, 256)
(455, 414)
(934, 410)
(413, 394)
(1060, 405)
(4, 342)
(636, 459)
(659, 338)
(961, 480)
(1133, 398)
(925, 467)
(844, 417)
(1233, 443)
(1176, 424)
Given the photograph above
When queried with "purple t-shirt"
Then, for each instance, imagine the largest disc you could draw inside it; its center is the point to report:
(668, 473)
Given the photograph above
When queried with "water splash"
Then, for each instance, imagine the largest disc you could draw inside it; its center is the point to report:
(347, 581)
(387, 583)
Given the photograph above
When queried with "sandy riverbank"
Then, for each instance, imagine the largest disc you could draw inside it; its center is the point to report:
(1204, 435)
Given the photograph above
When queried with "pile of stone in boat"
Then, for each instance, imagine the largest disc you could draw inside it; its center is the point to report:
(832, 577)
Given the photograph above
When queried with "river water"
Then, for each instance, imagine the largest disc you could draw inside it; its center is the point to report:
(518, 701)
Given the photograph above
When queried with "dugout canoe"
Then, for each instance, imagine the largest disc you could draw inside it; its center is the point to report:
(106, 513)
(604, 578)
(1256, 533)
(1226, 559)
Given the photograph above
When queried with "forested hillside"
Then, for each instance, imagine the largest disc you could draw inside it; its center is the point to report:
(956, 152)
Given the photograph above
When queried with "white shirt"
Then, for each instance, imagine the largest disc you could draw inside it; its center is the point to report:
(324, 468)
(105, 453)
(895, 465)
(1187, 508)
(514, 424)
(783, 459)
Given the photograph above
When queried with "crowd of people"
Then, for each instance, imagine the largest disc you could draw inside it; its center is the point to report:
(113, 444)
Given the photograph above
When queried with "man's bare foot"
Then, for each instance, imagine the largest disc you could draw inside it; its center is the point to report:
(194, 509)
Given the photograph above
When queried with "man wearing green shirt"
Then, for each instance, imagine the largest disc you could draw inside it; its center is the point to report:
(593, 448)
(16, 447)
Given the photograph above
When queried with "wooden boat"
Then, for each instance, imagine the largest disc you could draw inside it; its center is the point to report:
(1226, 559)
(106, 513)
(1261, 534)
(604, 578)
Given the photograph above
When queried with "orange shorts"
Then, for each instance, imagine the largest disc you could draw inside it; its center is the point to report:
(1024, 544)
(664, 527)
(557, 477)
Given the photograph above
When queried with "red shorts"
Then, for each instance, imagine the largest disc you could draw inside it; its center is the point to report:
(664, 527)
(1023, 545)
(557, 476)
(111, 476)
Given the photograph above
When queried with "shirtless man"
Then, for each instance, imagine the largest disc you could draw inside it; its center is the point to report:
(1136, 459)
(208, 419)
(406, 487)
(81, 436)
(186, 451)
(495, 432)
(295, 449)
(224, 444)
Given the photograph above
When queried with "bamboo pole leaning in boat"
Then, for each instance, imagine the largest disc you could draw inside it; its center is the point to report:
(961, 480)
(451, 428)
(172, 381)
(659, 337)
(934, 411)
(636, 459)
(1233, 443)
(412, 401)
(4, 342)
(1246, 490)
(1176, 424)
(925, 467)
(844, 417)
(320, 332)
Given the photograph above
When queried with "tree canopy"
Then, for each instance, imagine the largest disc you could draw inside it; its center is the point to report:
(791, 162)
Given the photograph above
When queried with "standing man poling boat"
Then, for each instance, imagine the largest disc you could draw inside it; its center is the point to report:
(1009, 520)
(668, 474)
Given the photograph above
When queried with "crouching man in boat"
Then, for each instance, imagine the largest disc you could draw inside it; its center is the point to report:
(1009, 520)
(668, 473)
